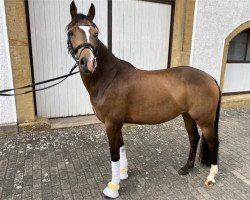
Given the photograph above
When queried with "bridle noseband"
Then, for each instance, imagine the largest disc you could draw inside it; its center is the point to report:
(83, 46)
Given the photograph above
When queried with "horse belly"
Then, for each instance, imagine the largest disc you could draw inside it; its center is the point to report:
(152, 112)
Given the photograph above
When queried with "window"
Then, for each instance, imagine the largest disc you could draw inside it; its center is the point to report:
(239, 48)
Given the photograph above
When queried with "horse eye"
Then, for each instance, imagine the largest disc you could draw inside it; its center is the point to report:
(96, 35)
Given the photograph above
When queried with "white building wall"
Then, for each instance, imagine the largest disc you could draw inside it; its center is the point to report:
(214, 20)
(7, 104)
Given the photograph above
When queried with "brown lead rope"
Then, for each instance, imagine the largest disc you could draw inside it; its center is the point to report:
(64, 77)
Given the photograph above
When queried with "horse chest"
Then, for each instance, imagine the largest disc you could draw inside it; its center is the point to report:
(100, 109)
(107, 108)
(98, 114)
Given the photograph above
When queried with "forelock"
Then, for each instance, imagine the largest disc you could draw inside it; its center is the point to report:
(78, 20)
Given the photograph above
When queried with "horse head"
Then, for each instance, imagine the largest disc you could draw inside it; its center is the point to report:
(83, 38)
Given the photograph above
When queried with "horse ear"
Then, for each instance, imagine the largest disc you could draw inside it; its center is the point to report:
(73, 9)
(91, 13)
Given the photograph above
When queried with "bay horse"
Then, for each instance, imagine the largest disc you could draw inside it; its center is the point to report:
(121, 93)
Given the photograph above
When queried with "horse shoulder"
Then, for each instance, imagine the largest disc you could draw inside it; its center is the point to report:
(110, 104)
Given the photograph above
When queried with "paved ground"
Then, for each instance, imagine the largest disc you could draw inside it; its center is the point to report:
(74, 163)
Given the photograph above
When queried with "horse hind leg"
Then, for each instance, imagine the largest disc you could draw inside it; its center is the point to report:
(209, 152)
(123, 161)
(194, 138)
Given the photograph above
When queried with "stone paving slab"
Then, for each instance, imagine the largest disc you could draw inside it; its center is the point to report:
(74, 163)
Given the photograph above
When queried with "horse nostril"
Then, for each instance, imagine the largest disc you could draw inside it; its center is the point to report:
(83, 65)
(82, 61)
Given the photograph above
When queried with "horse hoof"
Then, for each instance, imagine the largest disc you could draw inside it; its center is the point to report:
(108, 193)
(123, 176)
(123, 173)
(183, 171)
(111, 191)
(209, 183)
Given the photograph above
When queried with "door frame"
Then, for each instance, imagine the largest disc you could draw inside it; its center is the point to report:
(181, 26)
(30, 52)
(109, 29)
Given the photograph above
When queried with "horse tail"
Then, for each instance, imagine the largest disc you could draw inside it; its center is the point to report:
(205, 154)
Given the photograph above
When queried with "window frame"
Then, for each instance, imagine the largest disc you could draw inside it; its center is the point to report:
(246, 50)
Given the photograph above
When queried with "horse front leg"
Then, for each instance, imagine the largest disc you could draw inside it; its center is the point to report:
(114, 137)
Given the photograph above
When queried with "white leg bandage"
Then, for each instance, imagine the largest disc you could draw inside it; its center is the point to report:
(213, 172)
(115, 172)
(112, 189)
(123, 164)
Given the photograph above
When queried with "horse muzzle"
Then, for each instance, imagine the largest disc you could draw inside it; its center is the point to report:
(87, 66)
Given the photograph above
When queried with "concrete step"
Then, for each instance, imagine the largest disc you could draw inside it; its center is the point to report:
(67, 122)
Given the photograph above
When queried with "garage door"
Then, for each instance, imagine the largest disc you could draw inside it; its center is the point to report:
(48, 19)
(141, 31)
(140, 35)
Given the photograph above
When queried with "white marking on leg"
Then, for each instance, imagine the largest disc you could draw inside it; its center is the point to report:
(86, 31)
(213, 172)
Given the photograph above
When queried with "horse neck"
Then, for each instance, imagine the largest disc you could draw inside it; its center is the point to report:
(103, 74)
(105, 59)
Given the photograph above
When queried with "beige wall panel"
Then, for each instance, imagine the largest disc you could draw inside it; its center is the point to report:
(20, 61)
